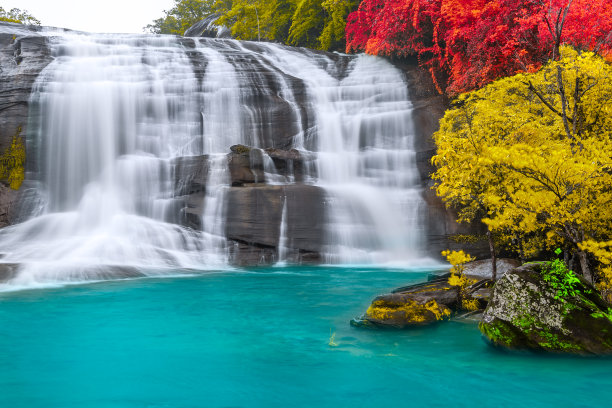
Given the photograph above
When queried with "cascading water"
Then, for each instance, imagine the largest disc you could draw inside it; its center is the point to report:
(365, 156)
(116, 111)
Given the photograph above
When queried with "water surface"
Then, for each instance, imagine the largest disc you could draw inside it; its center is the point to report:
(259, 338)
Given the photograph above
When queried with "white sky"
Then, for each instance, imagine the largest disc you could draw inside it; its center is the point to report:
(102, 16)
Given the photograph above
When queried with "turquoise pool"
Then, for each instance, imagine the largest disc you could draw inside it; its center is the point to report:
(260, 338)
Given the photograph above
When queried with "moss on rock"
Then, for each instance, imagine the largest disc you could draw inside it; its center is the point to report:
(528, 312)
(417, 305)
(408, 313)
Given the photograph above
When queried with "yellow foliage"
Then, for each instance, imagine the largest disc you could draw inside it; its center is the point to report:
(470, 305)
(458, 280)
(457, 259)
(410, 311)
(603, 253)
(12, 162)
(441, 313)
(531, 154)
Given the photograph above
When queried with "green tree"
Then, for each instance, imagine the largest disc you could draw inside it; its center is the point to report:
(183, 15)
(257, 20)
(530, 153)
(307, 23)
(16, 15)
(333, 34)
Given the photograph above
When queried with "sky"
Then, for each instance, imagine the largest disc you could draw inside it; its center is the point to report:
(101, 16)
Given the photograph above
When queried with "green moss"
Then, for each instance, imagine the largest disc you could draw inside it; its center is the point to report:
(552, 342)
(499, 333)
(602, 315)
(525, 322)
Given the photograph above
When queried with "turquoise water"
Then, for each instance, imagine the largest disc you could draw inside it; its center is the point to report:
(260, 339)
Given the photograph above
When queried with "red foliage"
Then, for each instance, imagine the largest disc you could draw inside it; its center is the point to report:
(475, 42)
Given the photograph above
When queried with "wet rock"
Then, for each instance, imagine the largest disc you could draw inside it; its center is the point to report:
(293, 163)
(190, 174)
(254, 216)
(245, 165)
(426, 303)
(8, 201)
(208, 27)
(412, 306)
(23, 55)
(249, 254)
(8, 271)
(528, 312)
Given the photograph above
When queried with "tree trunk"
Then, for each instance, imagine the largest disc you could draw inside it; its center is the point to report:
(493, 256)
(584, 265)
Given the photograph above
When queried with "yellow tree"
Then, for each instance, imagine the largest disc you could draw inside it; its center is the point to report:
(531, 153)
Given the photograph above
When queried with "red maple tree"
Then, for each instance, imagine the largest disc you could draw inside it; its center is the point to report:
(473, 42)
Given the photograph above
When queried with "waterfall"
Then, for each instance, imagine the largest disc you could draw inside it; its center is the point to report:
(282, 240)
(117, 111)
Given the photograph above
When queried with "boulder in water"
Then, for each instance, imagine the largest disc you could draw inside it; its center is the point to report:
(412, 306)
(530, 310)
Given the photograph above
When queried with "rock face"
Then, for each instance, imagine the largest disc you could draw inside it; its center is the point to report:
(249, 165)
(8, 202)
(254, 220)
(528, 312)
(23, 55)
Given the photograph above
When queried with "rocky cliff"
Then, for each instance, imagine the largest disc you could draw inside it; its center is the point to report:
(23, 55)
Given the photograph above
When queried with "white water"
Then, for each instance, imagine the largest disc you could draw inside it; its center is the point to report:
(117, 109)
(365, 160)
(282, 240)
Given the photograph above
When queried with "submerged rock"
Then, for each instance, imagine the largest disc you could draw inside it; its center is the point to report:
(528, 311)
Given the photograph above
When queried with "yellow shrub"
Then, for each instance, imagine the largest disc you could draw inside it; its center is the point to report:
(12, 162)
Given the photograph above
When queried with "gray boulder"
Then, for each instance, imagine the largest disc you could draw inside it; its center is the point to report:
(531, 310)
